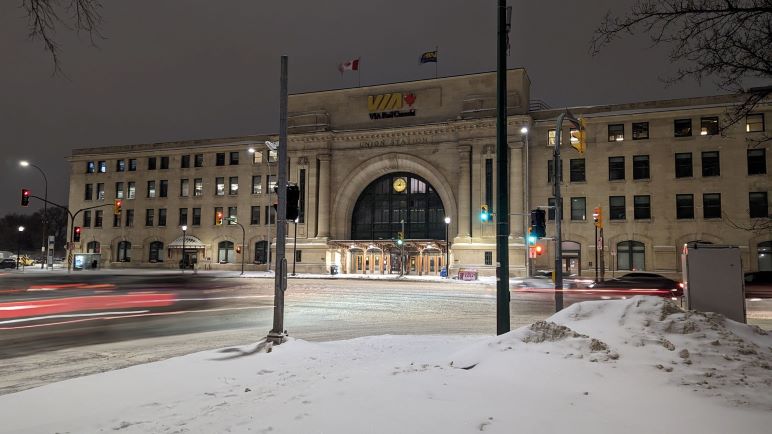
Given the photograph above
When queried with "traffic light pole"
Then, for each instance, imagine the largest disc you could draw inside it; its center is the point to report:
(502, 177)
(277, 334)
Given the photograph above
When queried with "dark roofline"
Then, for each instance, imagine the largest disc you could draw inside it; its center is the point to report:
(168, 145)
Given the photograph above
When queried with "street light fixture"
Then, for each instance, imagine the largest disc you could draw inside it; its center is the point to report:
(18, 247)
(184, 235)
(24, 163)
(447, 249)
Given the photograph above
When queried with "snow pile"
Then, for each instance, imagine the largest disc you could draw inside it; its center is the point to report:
(629, 366)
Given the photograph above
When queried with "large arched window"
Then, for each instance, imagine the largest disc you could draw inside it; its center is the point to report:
(124, 247)
(92, 247)
(392, 199)
(764, 252)
(225, 252)
(261, 252)
(155, 251)
(631, 255)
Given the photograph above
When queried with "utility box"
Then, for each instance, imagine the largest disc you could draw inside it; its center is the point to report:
(713, 279)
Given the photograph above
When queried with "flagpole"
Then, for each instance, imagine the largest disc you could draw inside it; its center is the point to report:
(436, 59)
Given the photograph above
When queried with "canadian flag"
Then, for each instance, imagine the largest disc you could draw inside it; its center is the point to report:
(349, 65)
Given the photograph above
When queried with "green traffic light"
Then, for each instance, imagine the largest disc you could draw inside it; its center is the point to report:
(399, 242)
(531, 240)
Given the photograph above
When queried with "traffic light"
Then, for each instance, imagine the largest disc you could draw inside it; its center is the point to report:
(76, 234)
(293, 202)
(538, 223)
(400, 238)
(117, 206)
(597, 216)
(484, 215)
(531, 237)
(25, 197)
(579, 137)
(218, 218)
(539, 249)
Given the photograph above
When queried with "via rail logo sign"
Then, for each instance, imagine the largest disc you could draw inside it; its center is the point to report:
(391, 105)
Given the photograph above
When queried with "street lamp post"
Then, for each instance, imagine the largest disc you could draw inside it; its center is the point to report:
(18, 247)
(184, 235)
(447, 249)
(272, 146)
(44, 248)
(295, 248)
(526, 209)
(235, 221)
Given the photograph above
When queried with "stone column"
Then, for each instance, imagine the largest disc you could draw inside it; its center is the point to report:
(463, 192)
(324, 196)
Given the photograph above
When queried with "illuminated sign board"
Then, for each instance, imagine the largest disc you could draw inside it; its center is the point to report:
(391, 105)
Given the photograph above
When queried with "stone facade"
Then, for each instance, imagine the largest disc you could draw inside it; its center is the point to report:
(443, 131)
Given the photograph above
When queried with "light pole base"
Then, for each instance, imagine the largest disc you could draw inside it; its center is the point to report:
(276, 338)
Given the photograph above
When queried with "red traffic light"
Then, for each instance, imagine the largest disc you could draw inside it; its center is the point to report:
(539, 249)
(25, 197)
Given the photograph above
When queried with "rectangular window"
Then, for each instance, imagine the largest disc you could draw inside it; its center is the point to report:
(234, 158)
(302, 199)
(132, 190)
(711, 165)
(640, 130)
(149, 217)
(551, 137)
(254, 215)
(185, 162)
(709, 126)
(683, 165)
(86, 219)
(640, 167)
(577, 170)
(184, 187)
(196, 220)
(129, 218)
(163, 188)
(616, 132)
(198, 161)
(161, 216)
(257, 184)
(642, 207)
(183, 219)
(218, 210)
(551, 171)
(100, 191)
(754, 122)
(488, 258)
(257, 157)
(165, 162)
(116, 220)
(120, 166)
(198, 187)
(151, 189)
(489, 183)
(551, 211)
(758, 204)
(270, 215)
(220, 159)
(232, 213)
(219, 183)
(98, 216)
(90, 167)
(119, 190)
(299, 256)
(578, 208)
(102, 166)
(233, 185)
(617, 209)
(272, 180)
(151, 162)
(89, 193)
(616, 168)
(273, 156)
(711, 205)
(684, 206)
(132, 165)
(757, 161)
(682, 128)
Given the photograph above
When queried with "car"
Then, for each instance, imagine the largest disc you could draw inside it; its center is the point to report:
(8, 263)
(642, 283)
(26, 261)
(758, 284)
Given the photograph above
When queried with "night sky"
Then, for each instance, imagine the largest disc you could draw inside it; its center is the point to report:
(175, 70)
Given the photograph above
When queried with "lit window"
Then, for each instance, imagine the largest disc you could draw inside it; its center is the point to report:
(616, 133)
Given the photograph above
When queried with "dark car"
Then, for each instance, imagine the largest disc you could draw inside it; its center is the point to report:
(758, 284)
(641, 283)
(8, 263)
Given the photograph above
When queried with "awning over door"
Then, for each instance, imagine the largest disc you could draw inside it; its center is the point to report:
(191, 242)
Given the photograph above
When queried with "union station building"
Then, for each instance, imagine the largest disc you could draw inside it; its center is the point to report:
(373, 162)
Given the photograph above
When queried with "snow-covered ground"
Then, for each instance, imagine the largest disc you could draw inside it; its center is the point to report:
(635, 366)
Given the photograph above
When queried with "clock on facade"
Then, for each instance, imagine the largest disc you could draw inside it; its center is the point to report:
(399, 185)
